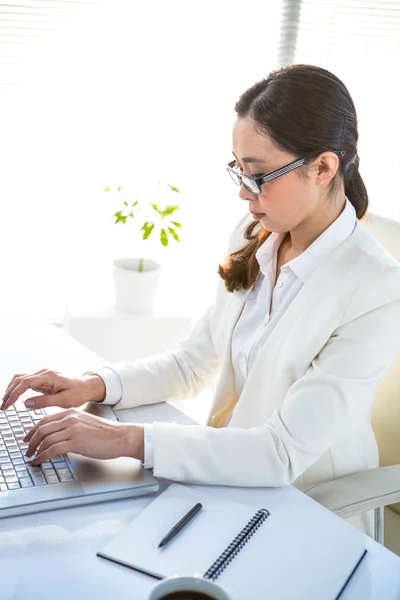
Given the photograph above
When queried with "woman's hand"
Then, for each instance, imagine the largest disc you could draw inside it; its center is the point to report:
(80, 432)
(57, 389)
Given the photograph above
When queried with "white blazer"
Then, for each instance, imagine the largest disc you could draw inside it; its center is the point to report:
(304, 413)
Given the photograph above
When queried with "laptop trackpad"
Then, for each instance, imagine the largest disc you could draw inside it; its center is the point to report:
(104, 475)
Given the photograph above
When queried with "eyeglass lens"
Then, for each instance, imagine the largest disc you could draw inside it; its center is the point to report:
(249, 184)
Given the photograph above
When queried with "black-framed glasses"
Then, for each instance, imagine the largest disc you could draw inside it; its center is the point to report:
(253, 184)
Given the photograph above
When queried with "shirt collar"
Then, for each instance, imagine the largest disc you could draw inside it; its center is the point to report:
(304, 264)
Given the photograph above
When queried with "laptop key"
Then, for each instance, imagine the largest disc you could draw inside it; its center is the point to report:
(57, 459)
(20, 469)
(3, 487)
(8, 472)
(13, 486)
(51, 478)
(11, 479)
(15, 454)
(65, 477)
(26, 482)
(33, 469)
(28, 459)
(38, 479)
(63, 470)
(62, 465)
(49, 472)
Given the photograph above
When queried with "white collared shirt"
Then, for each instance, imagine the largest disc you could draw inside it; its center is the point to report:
(266, 303)
(263, 308)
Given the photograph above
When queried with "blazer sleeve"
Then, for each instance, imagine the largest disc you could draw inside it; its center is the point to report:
(186, 370)
(340, 384)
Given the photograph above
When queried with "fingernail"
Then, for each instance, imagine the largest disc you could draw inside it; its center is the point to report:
(29, 403)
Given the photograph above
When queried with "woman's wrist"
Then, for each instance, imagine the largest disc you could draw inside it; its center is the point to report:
(96, 388)
(134, 441)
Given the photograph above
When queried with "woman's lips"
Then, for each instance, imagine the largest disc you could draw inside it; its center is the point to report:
(257, 215)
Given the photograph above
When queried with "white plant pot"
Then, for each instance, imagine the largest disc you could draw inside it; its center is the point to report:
(135, 291)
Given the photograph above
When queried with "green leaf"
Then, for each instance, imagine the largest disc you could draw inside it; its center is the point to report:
(119, 188)
(173, 189)
(134, 204)
(106, 189)
(176, 224)
(126, 204)
(164, 237)
(147, 228)
(120, 218)
(155, 206)
(174, 234)
(168, 211)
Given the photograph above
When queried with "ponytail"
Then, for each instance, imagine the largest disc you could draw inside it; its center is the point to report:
(354, 188)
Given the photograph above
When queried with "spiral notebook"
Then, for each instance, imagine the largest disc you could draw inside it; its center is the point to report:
(241, 546)
(197, 548)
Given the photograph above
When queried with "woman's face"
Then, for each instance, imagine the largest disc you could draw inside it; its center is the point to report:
(284, 202)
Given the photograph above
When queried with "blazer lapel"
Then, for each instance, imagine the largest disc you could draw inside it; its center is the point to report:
(225, 391)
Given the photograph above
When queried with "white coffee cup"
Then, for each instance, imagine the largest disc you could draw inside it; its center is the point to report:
(192, 583)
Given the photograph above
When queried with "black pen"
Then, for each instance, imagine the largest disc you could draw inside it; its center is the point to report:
(176, 528)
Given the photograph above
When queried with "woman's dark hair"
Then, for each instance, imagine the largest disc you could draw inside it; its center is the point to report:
(305, 110)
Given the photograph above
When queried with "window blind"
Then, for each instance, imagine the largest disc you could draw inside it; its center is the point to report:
(31, 31)
(359, 41)
(120, 92)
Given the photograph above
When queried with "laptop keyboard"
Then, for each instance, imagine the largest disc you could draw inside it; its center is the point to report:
(16, 469)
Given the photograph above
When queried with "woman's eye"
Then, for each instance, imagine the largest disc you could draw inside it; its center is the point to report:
(256, 176)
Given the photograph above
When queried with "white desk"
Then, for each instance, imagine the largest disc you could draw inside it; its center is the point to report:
(52, 555)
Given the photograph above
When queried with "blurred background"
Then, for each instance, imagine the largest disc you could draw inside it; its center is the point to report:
(121, 92)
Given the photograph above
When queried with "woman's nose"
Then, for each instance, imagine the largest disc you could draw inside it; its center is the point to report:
(244, 194)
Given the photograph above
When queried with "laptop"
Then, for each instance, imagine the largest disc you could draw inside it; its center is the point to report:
(67, 480)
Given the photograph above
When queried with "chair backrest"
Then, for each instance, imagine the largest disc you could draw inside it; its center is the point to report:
(386, 408)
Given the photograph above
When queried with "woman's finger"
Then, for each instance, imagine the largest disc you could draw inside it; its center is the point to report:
(14, 382)
(51, 439)
(43, 431)
(61, 399)
(54, 450)
(49, 419)
(11, 382)
(26, 383)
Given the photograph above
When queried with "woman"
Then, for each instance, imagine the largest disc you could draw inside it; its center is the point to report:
(304, 325)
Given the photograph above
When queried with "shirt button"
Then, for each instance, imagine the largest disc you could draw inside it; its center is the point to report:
(280, 284)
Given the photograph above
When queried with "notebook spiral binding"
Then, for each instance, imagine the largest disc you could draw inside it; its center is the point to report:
(235, 547)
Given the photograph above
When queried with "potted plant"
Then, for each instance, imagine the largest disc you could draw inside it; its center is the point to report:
(136, 279)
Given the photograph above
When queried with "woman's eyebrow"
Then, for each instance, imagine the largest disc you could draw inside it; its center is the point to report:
(251, 159)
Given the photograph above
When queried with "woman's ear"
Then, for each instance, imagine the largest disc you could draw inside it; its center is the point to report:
(326, 167)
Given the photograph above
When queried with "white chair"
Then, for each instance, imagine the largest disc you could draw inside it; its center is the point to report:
(376, 488)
